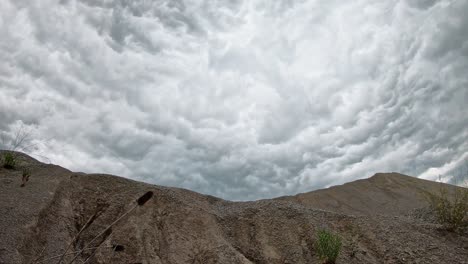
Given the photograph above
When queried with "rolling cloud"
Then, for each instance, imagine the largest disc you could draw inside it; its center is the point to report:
(239, 99)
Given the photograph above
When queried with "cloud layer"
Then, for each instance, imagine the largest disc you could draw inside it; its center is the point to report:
(239, 99)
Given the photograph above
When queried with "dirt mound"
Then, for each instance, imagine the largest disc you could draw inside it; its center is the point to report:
(383, 193)
(180, 226)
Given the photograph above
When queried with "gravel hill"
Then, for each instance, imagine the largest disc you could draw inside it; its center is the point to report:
(381, 220)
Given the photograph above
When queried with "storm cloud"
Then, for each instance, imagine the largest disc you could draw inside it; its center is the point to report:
(238, 99)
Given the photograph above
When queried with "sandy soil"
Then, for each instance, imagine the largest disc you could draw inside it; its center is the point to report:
(378, 218)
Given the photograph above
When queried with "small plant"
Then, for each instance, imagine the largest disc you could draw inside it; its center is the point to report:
(328, 246)
(450, 210)
(9, 160)
(25, 177)
(142, 200)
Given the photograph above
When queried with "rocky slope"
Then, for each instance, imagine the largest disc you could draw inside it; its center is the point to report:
(374, 217)
(384, 193)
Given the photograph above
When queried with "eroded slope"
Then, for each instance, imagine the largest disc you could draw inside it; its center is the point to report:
(180, 226)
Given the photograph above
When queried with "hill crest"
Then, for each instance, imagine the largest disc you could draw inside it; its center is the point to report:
(181, 226)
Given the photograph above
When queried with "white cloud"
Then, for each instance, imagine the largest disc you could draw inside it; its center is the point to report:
(239, 99)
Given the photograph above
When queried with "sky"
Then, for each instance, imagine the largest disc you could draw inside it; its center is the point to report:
(242, 100)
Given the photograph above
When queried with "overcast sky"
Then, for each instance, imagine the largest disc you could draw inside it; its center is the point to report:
(238, 99)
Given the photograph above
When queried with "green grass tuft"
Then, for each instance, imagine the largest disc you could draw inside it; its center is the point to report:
(9, 161)
(328, 246)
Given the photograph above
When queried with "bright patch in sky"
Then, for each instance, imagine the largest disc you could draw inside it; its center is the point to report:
(239, 99)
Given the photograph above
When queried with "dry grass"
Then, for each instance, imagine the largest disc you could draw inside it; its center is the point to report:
(450, 208)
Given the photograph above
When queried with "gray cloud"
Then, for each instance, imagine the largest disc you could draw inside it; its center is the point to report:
(239, 99)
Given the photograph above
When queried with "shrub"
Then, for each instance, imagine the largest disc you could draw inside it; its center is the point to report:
(450, 210)
(327, 246)
(9, 160)
(25, 177)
